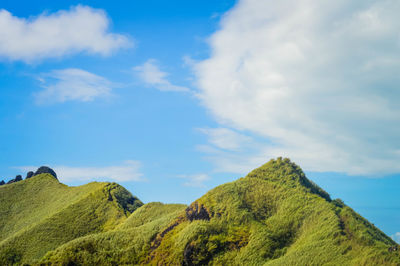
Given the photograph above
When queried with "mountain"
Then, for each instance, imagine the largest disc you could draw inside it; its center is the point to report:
(273, 216)
(39, 214)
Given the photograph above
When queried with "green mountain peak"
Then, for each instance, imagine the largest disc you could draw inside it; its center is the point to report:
(45, 170)
(283, 171)
(273, 216)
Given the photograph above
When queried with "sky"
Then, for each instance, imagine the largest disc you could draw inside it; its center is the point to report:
(172, 98)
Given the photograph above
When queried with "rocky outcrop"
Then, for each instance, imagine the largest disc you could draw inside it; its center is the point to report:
(41, 170)
(45, 170)
(16, 179)
(196, 212)
(29, 174)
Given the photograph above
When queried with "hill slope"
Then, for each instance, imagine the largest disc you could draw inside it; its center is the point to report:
(39, 214)
(129, 244)
(274, 216)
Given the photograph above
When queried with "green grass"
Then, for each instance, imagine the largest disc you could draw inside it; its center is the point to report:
(273, 216)
(40, 214)
(129, 243)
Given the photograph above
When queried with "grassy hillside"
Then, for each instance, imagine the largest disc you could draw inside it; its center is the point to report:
(39, 214)
(129, 244)
(273, 216)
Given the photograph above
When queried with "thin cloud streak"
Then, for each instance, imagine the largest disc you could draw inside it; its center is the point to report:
(151, 75)
(125, 172)
(72, 84)
(396, 237)
(196, 180)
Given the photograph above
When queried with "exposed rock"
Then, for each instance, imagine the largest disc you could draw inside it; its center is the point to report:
(46, 170)
(157, 241)
(196, 212)
(29, 174)
(16, 179)
(2, 182)
(41, 170)
(11, 181)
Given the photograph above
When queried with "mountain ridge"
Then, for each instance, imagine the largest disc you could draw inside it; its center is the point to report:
(39, 213)
(273, 216)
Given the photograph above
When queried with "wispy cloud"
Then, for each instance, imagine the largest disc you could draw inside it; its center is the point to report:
(226, 139)
(72, 84)
(80, 29)
(396, 237)
(127, 171)
(196, 180)
(317, 81)
(151, 75)
(232, 152)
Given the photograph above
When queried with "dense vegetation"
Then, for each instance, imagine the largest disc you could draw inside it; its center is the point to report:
(274, 216)
(39, 214)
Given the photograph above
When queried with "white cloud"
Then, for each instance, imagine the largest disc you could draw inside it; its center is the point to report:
(128, 171)
(196, 180)
(231, 151)
(226, 139)
(189, 61)
(80, 29)
(72, 85)
(319, 81)
(396, 237)
(233, 162)
(151, 74)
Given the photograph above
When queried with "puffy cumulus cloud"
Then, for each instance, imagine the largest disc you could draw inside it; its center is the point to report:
(72, 85)
(151, 75)
(318, 80)
(80, 29)
(128, 171)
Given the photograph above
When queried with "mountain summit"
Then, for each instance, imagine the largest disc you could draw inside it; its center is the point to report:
(287, 173)
(273, 216)
(45, 170)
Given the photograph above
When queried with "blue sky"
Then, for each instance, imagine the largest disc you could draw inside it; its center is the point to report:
(173, 98)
